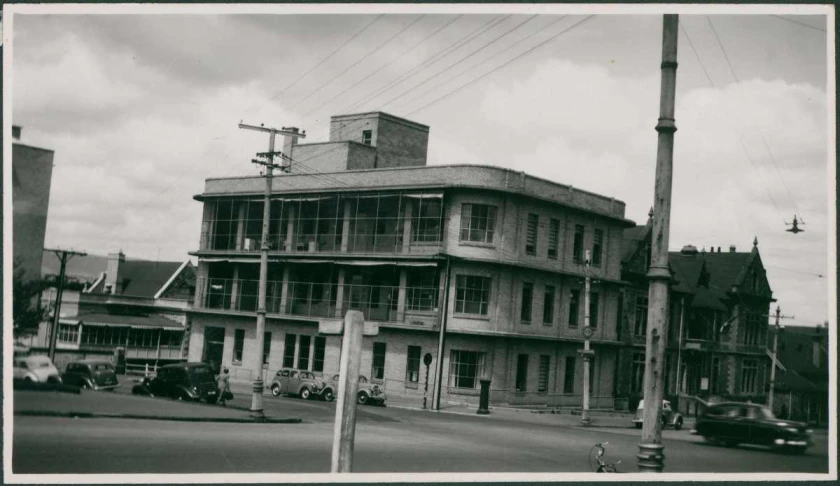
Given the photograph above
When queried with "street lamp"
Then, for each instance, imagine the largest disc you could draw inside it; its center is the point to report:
(586, 353)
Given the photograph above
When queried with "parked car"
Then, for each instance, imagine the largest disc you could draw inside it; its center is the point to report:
(369, 393)
(300, 383)
(733, 423)
(668, 414)
(181, 381)
(35, 369)
(94, 374)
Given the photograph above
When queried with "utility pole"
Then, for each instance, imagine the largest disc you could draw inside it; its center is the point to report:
(587, 353)
(776, 330)
(651, 457)
(267, 160)
(63, 256)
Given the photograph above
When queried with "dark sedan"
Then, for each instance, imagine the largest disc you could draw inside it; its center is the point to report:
(93, 374)
(182, 381)
(734, 423)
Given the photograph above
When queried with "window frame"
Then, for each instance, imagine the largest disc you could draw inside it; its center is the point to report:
(526, 310)
(531, 234)
(553, 238)
(481, 286)
(477, 228)
(521, 376)
(548, 305)
(238, 355)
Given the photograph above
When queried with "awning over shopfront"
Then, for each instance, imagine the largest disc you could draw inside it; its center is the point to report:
(133, 321)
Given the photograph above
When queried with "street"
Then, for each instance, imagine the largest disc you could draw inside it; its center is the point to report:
(388, 439)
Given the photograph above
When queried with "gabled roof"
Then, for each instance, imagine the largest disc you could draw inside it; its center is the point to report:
(631, 239)
(145, 279)
(686, 269)
(726, 269)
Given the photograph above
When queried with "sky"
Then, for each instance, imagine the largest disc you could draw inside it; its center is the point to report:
(142, 107)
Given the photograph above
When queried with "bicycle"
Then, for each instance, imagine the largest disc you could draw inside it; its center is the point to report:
(603, 467)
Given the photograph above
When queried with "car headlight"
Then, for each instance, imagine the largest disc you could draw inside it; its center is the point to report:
(792, 430)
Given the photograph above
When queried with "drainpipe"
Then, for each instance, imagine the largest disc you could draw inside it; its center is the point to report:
(441, 340)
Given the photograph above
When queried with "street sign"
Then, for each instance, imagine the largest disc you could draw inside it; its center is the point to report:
(427, 360)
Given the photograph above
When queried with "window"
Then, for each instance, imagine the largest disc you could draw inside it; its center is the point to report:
(303, 353)
(472, 294)
(569, 376)
(465, 368)
(238, 344)
(531, 234)
(542, 379)
(573, 307)
(412, 365)
(594, 298)
(522, 373)
(289, 351)
(637, 372)
(367, 137)
(553, 238)
(577, 248)
(752, 329)
(68, 334)
(548, 305)
(749, 375)
(640, 323)
(421, 291)
(478, 222)
(527, 301)
(619, 316)
(597, 247)
(266, 347)
(426, 222)
(378, 369)
(318, 356)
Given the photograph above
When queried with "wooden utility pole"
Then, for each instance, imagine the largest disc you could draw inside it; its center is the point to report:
(63, 256)
(651, 457)
(587, 353)
(773, 365)
(267, 160)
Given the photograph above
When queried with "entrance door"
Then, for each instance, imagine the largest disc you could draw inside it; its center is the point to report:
(214, 346)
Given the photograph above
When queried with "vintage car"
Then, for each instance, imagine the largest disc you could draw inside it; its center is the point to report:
(733, 423)
(669, 415)
(181, 381)
(369, 393)
(298, 383)
(93, 374)
(35, 369)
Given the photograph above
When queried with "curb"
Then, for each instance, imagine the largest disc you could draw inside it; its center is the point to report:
(46, 387)
(266, 420)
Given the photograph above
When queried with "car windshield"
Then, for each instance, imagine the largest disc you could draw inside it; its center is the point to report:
(102, 367)
(764, 413)
(201, 375)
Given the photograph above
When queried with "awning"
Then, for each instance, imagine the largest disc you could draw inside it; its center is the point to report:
(372, 263)
(69, 321)
(424, 196)
(238, 260)
(132, 321)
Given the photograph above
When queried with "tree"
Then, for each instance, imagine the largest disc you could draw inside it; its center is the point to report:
(27, 312)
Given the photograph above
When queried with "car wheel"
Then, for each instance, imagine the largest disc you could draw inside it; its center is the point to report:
(305, 393)
(638, 426)
(363, 398)
(328, 395)
(678, 424)
(275, 390)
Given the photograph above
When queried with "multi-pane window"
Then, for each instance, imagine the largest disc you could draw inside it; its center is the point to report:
(548, 305)
(472, 294)
(465, 368)
(426, 219)
(527, 301)
(318, 355)
(577, 245)
(640, 323)
(597, 247)
(749, 376)
(569, 375)
(266, 347)
(637, 372)
(573, 307)
(542, 378)
(522, 373)
(752, 330)
(478, 222)
(553, 238)
(422, 288)
(105, 335)
(531, 234)
(289, 351)
(238, 344)
(378, 368)
(594, 298)
(367, 137)
(412, 365)
(303, 352)
(68, 334)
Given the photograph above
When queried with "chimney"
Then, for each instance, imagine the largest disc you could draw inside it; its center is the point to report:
(731, 248)
(718, 250)
(16, 129)
(112, 271)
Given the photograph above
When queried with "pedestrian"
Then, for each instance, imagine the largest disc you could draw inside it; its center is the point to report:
(224, 387)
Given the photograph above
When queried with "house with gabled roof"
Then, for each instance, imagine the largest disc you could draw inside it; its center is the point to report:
(801, 387)
(718, 324)
(135, 310)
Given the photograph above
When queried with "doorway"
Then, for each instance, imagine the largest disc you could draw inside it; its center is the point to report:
(214, 346)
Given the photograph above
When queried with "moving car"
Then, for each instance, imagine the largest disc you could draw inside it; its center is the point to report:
(369, 393)
(181, 381)
(35, 369)
(300, 383)
(733, 423)
(94, 374)
(669, 415)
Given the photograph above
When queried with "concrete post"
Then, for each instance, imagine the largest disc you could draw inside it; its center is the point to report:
(484, 398)
(348, 387)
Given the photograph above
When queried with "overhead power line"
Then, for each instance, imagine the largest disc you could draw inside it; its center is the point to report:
(803, 24)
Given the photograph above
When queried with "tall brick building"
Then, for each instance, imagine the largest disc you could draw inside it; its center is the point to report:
(493, 255)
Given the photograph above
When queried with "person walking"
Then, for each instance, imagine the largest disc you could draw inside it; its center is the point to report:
(224, 387)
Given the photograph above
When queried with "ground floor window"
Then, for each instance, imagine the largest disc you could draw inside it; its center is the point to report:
(412, 365)
(637, 372)
(104, 335)
(68, 334)
(266, 347)
(542, 381)
(465, 368)
(289, 351)
(522, 373)
(569, 376)
(320, 351)
(749, 376)
(377, 371)
(238, 345)
(303, 352)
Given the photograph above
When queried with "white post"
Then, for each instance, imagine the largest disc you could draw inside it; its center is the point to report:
(348, 387)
